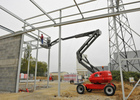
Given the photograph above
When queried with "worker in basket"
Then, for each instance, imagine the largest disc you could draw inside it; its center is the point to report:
(41, 38)
(45, 44)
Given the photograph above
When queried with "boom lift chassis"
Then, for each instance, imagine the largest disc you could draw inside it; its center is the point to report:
(100, 80)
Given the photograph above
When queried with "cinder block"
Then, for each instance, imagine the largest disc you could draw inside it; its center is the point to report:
(9, 54)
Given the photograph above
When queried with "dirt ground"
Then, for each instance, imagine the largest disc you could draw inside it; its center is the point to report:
(68, 92)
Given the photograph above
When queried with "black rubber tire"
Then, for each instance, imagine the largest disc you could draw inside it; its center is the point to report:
(114, 86)
(88, 90)
(71, 81)
(109, 90)
(80, 89)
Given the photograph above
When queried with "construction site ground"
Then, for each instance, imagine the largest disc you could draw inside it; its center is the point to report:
(68, 92)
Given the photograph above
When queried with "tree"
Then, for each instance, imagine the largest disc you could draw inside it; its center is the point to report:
(24, 65)
(27, 52)
(24, 62)
(42, 66)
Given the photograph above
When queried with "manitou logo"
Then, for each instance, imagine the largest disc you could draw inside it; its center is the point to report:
(109, 74)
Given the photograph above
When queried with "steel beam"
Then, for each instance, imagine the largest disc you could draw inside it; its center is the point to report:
(42, 10)
(60, 9)
(76, 21)
(17, 17)
(31, 36)
(30, 44)
(6, 29)
(76, 13)
(30, 41)
(131, 29)
(83, 13)
(78, 8)
(133, 89)
(131, 59)
(89, 18)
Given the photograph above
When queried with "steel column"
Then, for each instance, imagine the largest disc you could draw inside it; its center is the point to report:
(118, 53)
(19, 63)
(28, 66)
(59, 57)
(48, 72)
(36, 61)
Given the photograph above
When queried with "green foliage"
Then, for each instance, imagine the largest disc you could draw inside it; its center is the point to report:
(27, 52)
(41, 67)
(116, 75)
(24, 64)
(126, 75)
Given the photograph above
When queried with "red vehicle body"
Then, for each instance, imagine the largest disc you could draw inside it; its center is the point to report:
(101, 77)
(98, 78)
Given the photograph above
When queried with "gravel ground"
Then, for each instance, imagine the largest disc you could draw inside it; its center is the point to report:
(68, 92)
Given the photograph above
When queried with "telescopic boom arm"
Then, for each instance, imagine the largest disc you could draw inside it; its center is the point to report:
(93, 35)
(83, 60)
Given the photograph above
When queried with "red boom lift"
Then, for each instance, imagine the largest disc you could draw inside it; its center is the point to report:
(100, 80)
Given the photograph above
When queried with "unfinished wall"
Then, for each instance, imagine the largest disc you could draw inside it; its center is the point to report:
(9, 55)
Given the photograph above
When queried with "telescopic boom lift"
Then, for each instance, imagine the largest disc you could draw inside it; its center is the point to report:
(99, 79)
(93, 35)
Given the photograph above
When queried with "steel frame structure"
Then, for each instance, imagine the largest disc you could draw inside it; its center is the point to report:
(6, 29)
(125, 38)
(32, 28)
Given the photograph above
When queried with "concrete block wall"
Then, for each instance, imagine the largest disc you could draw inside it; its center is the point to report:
(9, 55)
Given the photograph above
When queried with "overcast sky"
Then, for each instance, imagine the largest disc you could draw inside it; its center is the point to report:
(98, 53)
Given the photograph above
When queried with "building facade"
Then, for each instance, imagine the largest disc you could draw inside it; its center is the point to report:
(127, 65)
(55, 75)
